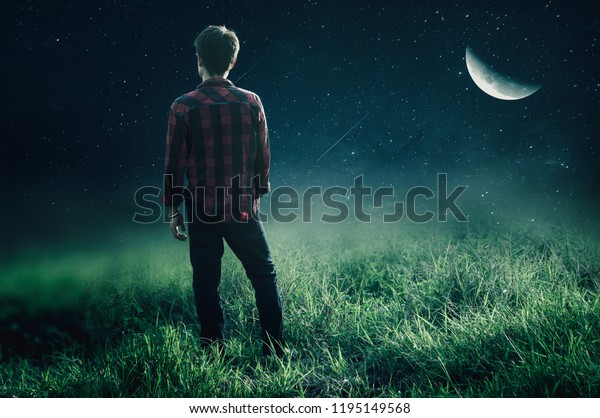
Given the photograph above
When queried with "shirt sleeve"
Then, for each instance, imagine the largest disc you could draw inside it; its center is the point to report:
(263, 154)
(176, 156)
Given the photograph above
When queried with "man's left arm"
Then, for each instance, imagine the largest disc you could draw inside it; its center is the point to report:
(175, 165)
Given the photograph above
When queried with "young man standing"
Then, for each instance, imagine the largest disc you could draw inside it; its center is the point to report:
(217, 134)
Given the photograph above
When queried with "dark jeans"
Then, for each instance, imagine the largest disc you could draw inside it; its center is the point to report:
(248, 241)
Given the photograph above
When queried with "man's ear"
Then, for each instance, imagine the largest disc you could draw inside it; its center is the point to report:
(233, 63)
(200, 62)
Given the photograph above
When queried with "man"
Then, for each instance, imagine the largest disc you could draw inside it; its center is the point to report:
(217, 133)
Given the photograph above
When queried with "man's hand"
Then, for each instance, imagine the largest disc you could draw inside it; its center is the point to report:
(176, 223)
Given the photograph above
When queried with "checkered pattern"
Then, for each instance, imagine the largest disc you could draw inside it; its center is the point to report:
(218, 135)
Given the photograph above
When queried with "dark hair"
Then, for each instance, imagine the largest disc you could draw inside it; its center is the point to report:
(218, 47)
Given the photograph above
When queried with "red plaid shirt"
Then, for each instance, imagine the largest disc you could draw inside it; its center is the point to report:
(218, 135)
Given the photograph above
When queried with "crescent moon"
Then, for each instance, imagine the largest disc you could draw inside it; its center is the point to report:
(494, 83)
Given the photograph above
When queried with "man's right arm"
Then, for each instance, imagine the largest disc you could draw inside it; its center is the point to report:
(263, 155)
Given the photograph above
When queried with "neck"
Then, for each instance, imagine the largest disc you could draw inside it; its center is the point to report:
(206, 77)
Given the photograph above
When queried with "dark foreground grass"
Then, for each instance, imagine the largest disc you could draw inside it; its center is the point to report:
(370, 310)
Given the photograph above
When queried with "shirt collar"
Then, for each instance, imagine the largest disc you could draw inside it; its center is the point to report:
(214, 82)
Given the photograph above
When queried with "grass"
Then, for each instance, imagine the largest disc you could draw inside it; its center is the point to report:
(372, 311)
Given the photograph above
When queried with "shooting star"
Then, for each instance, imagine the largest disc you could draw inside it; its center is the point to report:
(343, 136)
(250, 69)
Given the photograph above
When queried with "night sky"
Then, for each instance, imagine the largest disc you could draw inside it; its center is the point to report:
(87, 86)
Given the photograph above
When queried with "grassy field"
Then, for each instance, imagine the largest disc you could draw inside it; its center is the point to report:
(371, 310)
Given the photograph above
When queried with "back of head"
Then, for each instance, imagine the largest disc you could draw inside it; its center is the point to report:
(218, 47)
